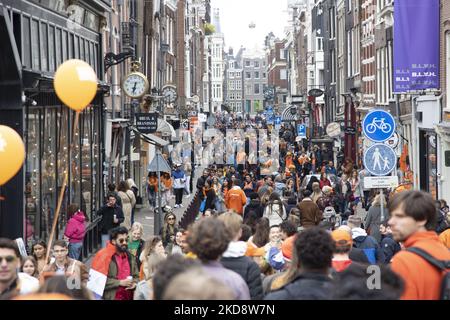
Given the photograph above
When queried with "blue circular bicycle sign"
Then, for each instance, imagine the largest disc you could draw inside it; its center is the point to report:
(378, 125)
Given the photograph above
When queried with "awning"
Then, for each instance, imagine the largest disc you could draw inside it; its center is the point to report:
(150, 138)
(287, 115)
(166, 129)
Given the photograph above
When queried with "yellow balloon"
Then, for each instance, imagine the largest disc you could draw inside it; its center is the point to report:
(12, 153)
(75, 84)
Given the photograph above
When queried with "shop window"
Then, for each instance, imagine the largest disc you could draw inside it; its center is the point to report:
(32, 178)
(44, 47)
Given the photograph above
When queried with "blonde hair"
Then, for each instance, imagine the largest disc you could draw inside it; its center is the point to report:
(137, 226)
(232, 221)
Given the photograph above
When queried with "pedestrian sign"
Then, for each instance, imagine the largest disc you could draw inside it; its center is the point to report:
(270, 118)
(378, 125)
(380, 159)
(301, 130)
(269, 109)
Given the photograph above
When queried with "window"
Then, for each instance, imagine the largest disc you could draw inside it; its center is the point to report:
(283, 74)
(238, 95)
(256, 64)
(349, 54)
(319, 44)
(238, 85)
(256, 75)
(238, 74)
(247, 63)
(282, 54)
(248, 75)
(333, 66)
(232, 95)
(256, 88)
(349, 5)
(264, 75)
(248, 89)
(231, 85)
(332, 22)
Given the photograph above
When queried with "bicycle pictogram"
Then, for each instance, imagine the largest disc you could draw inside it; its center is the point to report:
(378, 124)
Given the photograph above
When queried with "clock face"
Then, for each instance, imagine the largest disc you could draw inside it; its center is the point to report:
(135, 85)
(170, 94)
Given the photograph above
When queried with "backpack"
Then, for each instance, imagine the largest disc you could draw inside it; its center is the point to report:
(441, 265)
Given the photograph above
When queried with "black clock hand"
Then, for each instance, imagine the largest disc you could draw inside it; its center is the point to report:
(134, 88)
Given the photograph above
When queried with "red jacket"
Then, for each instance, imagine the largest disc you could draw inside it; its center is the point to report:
(422, 280)
(75, 228)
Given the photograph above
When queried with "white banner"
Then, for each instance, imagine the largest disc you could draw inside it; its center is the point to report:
(381, 182)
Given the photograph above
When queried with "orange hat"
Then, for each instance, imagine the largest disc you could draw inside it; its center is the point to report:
(342, 238)
(287, 247)
(254, 251)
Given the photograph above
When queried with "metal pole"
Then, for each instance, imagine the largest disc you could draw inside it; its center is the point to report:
(381, 206)
(158, 214)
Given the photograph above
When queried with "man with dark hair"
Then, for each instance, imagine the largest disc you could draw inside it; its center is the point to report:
(75, 270)
(352, 284)
(288, 229)
(254, 209)
(112, 216)
(413, 220)
(112, 190)
(167, 270)
(119, 265)
(9, 264)
(310, 214)
(209, 239)
(389, 246)
(313, 252)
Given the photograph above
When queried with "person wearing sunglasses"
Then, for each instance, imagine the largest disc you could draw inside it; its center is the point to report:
(119, 265)
(12, 282)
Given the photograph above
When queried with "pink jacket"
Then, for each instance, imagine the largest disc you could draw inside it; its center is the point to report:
(75, 228)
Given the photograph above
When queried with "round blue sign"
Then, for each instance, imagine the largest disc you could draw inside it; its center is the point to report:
(378, 125)
(380, 159)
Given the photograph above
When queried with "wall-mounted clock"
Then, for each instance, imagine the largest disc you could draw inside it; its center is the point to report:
(169, 93)
(135, 85)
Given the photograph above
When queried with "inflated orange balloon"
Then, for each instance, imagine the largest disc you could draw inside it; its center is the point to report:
(12, 153)
(75, 84)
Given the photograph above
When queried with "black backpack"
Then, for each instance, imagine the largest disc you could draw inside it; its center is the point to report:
(442, 265)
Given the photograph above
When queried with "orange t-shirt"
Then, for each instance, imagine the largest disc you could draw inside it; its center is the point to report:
(422, 280)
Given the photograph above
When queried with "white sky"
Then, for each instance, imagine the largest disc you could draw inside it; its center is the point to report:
(236, 15)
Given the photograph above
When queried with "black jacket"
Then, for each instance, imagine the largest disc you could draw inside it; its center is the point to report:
(249, 271)
(256, 207)
(390, 247)
(107, 214)
(200, 184)
(307, 286)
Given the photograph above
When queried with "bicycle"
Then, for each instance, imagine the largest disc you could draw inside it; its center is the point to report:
(380, 124)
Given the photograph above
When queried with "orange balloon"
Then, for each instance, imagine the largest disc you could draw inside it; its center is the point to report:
(75, 84)
(12, 153)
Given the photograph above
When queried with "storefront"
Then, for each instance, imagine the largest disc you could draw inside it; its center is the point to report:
(36, 38)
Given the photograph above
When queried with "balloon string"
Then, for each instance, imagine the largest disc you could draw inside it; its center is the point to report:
(61, 195)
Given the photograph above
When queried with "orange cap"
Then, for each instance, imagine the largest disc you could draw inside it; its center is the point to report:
(342, 237)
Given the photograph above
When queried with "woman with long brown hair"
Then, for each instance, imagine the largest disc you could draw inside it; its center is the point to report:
(169, 230)
(128, 202)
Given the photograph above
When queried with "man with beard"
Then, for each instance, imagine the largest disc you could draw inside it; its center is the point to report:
(119, 265)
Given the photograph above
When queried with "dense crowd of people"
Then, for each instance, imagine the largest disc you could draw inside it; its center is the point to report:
(307, 230)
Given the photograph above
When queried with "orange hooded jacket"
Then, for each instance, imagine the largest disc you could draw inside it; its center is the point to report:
(235, 199)
(422, 280)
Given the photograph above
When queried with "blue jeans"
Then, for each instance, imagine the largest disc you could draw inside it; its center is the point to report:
(75, 250)
(105, 239)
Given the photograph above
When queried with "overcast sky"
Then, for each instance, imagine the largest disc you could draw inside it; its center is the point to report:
(236, 15)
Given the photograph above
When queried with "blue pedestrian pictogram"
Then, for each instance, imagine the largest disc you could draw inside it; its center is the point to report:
(380, 159)
(270, 118)
(378, 125)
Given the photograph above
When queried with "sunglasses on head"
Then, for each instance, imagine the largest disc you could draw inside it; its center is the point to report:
(8, 259)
